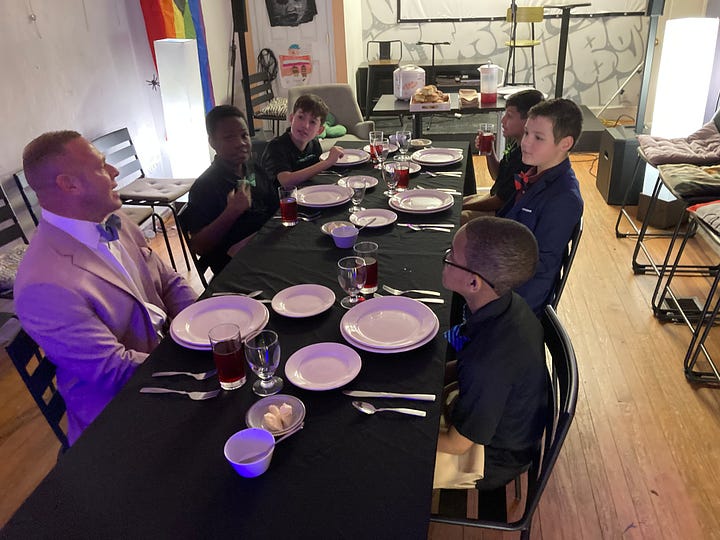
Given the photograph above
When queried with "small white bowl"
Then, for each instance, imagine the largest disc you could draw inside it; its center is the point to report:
(344, 236)
(330, 225)
(247, 443)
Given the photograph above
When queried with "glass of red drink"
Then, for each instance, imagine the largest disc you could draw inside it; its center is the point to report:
(374, 139)
(288, 205)
(486, 139)
(368, 252)
(402, 174)
(228, 355)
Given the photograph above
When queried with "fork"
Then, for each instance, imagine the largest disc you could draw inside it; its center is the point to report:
(398, 292)
(198, 376)
(192, 395)
(419, 228)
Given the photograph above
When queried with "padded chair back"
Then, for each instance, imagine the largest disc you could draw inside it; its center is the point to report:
(568, 258)
(40, 381)
(342, 104)
(562, 400)
(526, 14)
(120, 153)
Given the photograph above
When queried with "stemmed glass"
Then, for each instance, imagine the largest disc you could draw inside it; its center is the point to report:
(402, 138)
(262, 352)
(373, 139)
(358, 186)
(382, 149)
(351, 276)
(391, 179)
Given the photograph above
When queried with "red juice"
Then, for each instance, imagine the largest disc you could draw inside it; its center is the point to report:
(487, 141)
(288, 211)
(371, 275)
(229, 360)
(403, 176)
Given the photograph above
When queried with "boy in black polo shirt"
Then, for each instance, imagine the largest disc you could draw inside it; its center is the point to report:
(294, 156)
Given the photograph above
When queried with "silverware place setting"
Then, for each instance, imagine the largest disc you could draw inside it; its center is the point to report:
(443, 225)
(414, 227)
(399, 292)
(197, 396)
(423, 300)
(198, 376)
(393, 395)
(367, 408)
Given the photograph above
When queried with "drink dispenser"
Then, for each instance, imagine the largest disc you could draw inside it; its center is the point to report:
(490, 75)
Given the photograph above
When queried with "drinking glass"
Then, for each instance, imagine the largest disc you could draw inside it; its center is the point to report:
(368, 252)
(358, 186)
(402, 138)
(288, 205)
(401, 172)
(373, 137)
(486, 139)
(263, 355)
(228, 355)
(391, 181)
(351, 276)
(382, 149)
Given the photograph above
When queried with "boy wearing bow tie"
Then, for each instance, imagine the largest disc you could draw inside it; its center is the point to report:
(547, 196)
(91, 294)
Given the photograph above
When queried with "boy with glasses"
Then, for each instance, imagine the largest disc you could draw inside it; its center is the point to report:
(500, 367)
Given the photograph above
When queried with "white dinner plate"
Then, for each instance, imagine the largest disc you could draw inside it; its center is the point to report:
(382, 217)
(191, 326)
(379, 350)
(370, 181)
(207, 346)
(389, 323)
(323, 366)
(254, 416)
(421, 201)
(303, 300)
(330, 225)
(323, 196)
(351, 156)
(391, 146)
(437, 156)
(414, 167)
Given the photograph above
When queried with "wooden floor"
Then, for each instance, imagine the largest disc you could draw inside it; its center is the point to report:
(642, 454)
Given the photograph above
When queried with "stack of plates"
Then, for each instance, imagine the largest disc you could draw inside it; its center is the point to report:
(437, 156)
(350, 157)
(389, 324)
(323, 196)
(421, 201)
(190, 328)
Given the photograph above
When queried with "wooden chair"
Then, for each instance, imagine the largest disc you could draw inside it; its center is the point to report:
(566, 264)
(562, 400)
(526, 15)
(38, 374)
(264, 103)
(139, 190)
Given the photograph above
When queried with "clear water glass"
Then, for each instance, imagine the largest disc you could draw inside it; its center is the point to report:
(262, 352)
(402, 138)
(351, 274)
(382, 149)
(358, 186)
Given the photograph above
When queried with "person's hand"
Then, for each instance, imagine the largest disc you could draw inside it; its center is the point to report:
(335, 153)
(239, 200)
(477, 142)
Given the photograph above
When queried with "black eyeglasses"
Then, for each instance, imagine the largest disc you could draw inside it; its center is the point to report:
(447, 261)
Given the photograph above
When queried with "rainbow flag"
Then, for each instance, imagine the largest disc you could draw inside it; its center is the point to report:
(180, 19)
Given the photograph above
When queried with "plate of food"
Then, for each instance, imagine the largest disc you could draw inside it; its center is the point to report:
(277, 414)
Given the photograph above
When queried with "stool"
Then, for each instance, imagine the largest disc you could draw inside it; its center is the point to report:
(383, 66)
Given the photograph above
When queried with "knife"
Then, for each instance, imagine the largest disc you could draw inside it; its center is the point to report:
(365, 394)
(423, 300)
(449, 225)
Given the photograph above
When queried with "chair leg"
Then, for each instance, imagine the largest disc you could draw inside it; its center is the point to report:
(518, 488)
(180, 236)
(165, 237)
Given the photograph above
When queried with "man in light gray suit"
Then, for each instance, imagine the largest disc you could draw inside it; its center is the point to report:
(91, 294)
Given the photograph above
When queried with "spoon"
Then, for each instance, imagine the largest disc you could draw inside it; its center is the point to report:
(367, 408)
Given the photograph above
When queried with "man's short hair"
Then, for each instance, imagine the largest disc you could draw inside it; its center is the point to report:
(40, 151)
(565, 115)
(310, 103)
(218, 113)
(502, 250)
(524, 101)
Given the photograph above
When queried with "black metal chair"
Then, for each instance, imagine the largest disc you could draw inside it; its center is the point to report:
(381, 67)
(13, 242)
(199, 266)
(567, 261)
(264, 103)
(562, 401)
(139, 190)
(40, 381)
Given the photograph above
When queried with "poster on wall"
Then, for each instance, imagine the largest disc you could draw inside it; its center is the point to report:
(290, 12)
(296, 67)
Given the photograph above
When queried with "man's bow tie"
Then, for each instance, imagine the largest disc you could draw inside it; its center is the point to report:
(109, 229)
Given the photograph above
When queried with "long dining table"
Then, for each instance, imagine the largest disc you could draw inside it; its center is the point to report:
(153, 465)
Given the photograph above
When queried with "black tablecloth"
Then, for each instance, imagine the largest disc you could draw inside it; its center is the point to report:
(153, 465)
